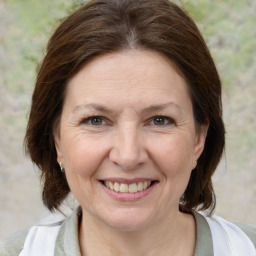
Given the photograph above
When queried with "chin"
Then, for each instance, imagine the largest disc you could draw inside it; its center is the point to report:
(127, 226)
(128, 220)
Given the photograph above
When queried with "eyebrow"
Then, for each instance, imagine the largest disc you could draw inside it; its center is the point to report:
(92, 106)
(158, 107)
(104, 109)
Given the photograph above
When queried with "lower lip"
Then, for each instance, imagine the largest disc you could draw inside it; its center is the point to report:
(128, 196)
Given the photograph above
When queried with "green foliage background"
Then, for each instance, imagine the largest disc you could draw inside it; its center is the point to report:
(229, 29)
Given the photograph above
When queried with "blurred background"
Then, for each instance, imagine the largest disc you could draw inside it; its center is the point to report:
(229, 29)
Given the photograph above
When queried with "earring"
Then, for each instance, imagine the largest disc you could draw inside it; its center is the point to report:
(61, 168)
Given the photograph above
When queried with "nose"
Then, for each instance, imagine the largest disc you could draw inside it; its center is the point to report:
(128, 149)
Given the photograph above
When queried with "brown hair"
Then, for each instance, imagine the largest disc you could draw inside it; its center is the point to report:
(112, 25)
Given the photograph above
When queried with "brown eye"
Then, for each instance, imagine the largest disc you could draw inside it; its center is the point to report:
(161, 120)
(96, 120)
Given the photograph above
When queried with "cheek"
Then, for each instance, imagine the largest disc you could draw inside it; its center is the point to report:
(174, 157)
(82, 156)
(82, 159)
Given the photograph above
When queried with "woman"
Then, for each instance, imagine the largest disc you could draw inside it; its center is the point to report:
(126, 114)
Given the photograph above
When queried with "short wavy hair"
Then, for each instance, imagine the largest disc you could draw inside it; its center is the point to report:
(102, 26)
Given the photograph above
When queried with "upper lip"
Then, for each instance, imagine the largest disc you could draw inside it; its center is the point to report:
(128, 181)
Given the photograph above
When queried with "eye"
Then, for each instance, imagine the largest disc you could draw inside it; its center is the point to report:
(161, 120)
(94, 120)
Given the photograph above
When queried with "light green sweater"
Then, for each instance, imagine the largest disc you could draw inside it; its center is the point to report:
(67, 240)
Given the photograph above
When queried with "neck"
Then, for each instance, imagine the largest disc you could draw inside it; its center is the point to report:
(173, 236)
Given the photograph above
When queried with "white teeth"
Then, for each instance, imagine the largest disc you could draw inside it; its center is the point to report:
(140, 186)
(116, 187)
(125, 188)
(111, 186)
(145, 184)
(133, 188)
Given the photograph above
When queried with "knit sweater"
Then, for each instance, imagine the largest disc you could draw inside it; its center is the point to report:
(67, 240)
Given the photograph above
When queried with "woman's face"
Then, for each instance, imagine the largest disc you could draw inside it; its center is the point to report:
(127, 139)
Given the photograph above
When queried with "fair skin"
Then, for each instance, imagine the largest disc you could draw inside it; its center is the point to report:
(128, 142)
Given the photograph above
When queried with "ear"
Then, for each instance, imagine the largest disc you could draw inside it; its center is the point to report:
(57, 142)
(200, 141)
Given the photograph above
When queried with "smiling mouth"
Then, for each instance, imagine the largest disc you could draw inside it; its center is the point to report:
(128, 188)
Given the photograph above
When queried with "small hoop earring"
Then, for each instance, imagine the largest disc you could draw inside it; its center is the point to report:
(61, 168)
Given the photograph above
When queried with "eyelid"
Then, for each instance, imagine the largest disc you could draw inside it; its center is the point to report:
(106, 121)
(90, 118)
(169, 119)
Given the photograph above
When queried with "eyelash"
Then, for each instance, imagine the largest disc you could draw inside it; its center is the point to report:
(91, 118)
(167, 120)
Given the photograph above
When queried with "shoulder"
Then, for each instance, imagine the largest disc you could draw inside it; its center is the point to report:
(238, 235)
(67, 242)
(240, 231)
(226, 237)
(46, 230)
(13, 245)
(249, 230)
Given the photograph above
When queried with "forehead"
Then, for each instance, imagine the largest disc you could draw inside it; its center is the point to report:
(133, 64)
(128, 76)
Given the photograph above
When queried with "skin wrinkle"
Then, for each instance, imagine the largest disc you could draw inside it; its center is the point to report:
(105, 109)
(82, 111)
(129, 147)
(70, 55)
